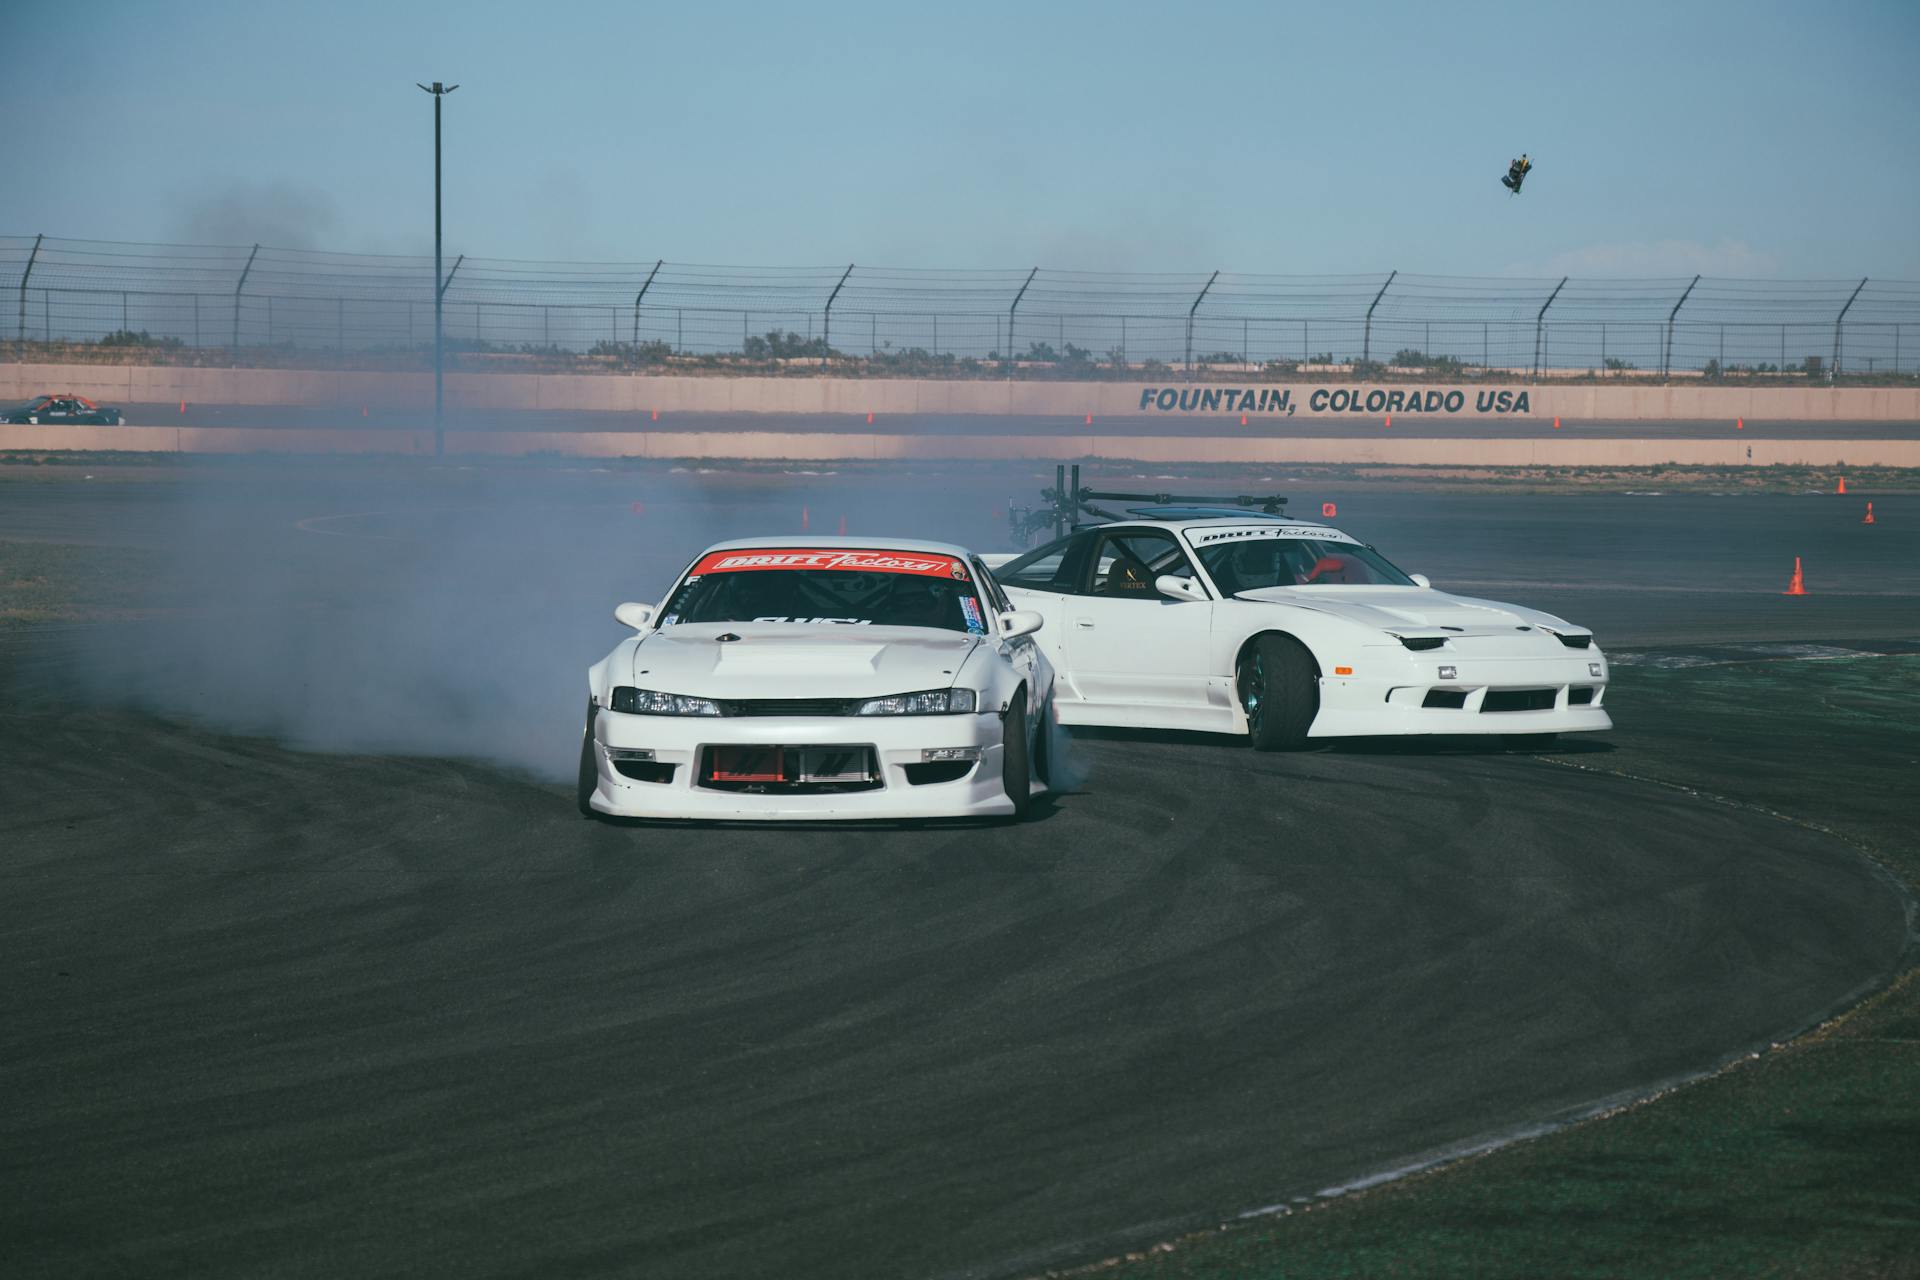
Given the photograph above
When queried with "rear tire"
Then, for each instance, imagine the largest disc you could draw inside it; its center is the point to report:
(1016, 773)
(589, 779)
(1279, 689)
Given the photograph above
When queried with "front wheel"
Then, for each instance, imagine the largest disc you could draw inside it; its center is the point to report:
(1280, 692)
(589, 779)
(1016, 773)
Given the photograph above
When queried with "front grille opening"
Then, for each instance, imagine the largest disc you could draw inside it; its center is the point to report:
(782, 770)
(1452, 699)
(1423, 642)
(789, 707)
(645, 770)
(1576, 642)
(921, 775)
(1580, 695)
(1517, 700)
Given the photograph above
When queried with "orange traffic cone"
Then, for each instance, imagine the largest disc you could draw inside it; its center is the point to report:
(1798, 587)
(1869, 519)
(183, 406)
(1843, 485)
(869, 417)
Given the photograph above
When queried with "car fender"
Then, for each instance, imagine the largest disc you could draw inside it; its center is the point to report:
(601, 675)
(1332, 640)
(989, 669)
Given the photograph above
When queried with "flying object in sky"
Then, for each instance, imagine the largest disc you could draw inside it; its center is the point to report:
(1517, 173)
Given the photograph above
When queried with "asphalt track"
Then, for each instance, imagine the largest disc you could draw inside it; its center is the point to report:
(277, 1011)
(279, 417)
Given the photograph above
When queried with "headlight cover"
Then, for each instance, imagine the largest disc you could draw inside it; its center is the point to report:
(651, 702)
(928, 702)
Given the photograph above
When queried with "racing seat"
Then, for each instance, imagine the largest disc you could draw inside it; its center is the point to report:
(1126, 578)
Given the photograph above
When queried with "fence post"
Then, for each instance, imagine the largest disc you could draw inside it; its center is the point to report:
(31, 259)
(1246, 345)
(196, 319)
(1366, 341)
(936, 333)
(233, 352)
(873, 333)
(826, 319)
(1010, 310)
(643, 293)
(1834, 372)
(125, 325)
(1540, 326)
(1666, 351)
(1190, 310)
(1603, 348)
(679, 329)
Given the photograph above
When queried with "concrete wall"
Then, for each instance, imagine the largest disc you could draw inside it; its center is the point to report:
(827, 446)
(884, 397)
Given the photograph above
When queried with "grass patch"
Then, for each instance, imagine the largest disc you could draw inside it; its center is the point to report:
(44, 582)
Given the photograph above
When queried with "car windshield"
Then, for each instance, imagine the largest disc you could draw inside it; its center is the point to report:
(1297, 562)
(827, 586)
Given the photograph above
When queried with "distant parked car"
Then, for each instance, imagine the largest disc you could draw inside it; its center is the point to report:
(65, 409)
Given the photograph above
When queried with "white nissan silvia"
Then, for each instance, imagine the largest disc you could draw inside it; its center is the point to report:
(1288, 630)
(823, 678)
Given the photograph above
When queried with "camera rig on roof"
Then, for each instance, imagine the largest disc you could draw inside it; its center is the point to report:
(1068, 504)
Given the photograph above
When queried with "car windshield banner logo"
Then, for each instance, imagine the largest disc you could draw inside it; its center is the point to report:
(931, 566)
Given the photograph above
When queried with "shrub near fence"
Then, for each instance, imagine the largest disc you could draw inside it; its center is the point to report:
(257, 305)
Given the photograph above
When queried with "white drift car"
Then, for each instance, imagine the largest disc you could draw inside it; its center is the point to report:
(1286, 630)
(827, 678)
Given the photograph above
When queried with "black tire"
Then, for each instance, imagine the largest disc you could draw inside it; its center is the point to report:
(1016, 773)
(1529, 741)
(1043, 744)
(1279, 689)
(589, 778)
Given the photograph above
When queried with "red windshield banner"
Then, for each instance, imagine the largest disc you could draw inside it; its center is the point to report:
(922, 563)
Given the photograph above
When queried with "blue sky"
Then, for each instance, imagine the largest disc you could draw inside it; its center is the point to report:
(1731, 138)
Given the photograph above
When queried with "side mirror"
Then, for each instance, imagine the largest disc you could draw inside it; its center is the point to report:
(637, 616)
(1420, 580)
(1177, 588)
(1020, 622)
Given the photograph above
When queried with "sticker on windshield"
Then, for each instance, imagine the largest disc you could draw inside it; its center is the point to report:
(844, 622)
(1313, 532)
(976, 624)
(923, 564)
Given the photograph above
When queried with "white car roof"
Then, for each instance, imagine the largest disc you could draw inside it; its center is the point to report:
(863, 544)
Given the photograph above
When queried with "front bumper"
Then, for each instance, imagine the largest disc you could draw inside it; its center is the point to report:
(1389, 690)
(681, 742)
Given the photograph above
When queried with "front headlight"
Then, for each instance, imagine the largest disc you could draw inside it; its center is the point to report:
(650, 702)
(929, 702)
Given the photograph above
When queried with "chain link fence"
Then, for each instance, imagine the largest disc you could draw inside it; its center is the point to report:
(258, 304)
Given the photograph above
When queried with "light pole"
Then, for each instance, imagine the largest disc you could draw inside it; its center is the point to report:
(438, 91)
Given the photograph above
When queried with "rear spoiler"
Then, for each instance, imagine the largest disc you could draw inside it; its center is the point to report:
(1066, 503)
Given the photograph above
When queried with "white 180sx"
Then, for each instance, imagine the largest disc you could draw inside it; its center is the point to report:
(826, 678)
(1286, 630)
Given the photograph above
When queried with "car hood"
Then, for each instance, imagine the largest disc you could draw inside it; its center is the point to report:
(789, 660)
(1404, 610)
